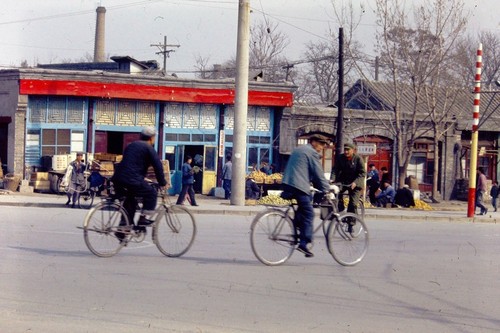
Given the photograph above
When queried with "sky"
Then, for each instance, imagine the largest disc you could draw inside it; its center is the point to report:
(53, 31)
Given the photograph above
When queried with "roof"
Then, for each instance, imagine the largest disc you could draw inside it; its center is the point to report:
(458, 102)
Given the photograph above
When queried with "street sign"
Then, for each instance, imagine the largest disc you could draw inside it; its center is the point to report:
(221, 143)
(367, 149)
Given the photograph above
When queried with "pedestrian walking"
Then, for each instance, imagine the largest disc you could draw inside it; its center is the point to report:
(187, 182)
(481, 190)
(494, 194)
(227, 175)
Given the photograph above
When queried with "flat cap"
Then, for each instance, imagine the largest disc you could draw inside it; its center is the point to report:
(319, 138)
(349, 146)
(148, 131)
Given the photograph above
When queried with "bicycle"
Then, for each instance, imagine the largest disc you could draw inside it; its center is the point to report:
(274, 237)
(107, 228)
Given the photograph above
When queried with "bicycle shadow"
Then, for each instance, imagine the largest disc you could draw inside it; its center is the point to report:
(51, 252)
(227, 261)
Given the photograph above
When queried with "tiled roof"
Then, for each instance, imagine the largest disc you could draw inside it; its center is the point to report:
(381, 96)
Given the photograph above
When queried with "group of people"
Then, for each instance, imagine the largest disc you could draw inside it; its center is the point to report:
(381, 192)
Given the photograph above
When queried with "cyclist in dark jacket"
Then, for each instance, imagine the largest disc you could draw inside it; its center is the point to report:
(349, 169)
(130, 174)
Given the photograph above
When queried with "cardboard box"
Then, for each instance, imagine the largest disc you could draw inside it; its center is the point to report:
(39, 176)
(166, 171)
(41, 185)
(107, 166)
(60, 162)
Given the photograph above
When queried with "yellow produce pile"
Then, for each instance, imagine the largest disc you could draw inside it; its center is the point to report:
(262, 178)
(419, 204)
(274, 200)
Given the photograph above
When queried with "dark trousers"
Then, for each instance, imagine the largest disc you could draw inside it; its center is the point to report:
(304, 217)
(480, 201)
(226, 185)
(143, 190)
(354, 196)
(186, 189)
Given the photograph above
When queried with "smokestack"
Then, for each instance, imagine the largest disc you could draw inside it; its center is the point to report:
(99, 55)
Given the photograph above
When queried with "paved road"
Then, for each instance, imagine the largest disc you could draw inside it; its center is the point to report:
(417, 277)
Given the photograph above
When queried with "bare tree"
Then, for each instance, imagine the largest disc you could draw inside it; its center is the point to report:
(201, 66)
(267, 46)
(465, 56)
(318, 81)
(414, 56)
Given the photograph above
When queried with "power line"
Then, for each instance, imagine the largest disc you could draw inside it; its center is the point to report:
(165, 52)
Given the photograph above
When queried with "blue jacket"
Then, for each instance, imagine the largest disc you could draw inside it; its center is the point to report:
(187, 174)
(303, 168)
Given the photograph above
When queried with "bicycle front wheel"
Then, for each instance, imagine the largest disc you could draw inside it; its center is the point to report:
(348, 239)
(106, 229)
(86, 199)
(272, 237)
(174, 230)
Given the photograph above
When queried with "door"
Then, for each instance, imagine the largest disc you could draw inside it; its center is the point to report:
(209, 168)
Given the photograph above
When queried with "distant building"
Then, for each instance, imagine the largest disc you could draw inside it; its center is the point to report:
(101, 107)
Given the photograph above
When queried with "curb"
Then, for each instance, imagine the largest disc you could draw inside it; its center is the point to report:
(252, 212)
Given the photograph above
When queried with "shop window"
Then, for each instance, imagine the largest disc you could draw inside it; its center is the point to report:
(417, 167)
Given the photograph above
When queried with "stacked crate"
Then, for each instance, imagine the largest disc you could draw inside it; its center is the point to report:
(40, 181)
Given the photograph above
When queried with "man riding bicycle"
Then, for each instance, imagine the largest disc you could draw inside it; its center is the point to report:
(130, 173)
(349, 169)
(303, 168)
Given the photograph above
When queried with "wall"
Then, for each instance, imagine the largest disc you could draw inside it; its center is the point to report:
(9, 98)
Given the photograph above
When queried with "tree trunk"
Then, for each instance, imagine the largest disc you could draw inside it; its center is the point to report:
(435, 173)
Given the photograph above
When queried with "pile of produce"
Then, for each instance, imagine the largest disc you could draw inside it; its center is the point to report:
(262, 178)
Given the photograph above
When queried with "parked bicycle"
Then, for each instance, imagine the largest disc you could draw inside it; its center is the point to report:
(107, 228)
(274, 236)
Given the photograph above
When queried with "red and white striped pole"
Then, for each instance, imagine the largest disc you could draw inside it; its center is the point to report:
(471, 208)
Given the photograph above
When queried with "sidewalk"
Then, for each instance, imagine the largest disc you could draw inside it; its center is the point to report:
(451, 211)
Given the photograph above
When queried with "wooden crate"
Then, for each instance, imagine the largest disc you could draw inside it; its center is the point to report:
(108, 157)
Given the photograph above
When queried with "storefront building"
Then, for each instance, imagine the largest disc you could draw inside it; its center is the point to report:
(47, 112)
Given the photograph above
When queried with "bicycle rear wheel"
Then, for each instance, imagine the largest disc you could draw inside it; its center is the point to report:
(106, 229)
(86, 199)
(272, 237)
(174, 230)
(348, 239)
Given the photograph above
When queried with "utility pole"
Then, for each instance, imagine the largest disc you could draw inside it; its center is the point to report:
(166, 52)
(340, 107)
(241, 105)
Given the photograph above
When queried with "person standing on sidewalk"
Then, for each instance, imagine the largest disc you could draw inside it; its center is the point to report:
(187, 182)
(76, 181)
(481, 190)
(494, 195)
(227, 175)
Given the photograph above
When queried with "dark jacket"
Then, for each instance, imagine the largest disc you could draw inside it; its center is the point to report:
(137, 158)
(187, 174)
(494, 191)
(404, 198)
(252, 190)
(349, 171)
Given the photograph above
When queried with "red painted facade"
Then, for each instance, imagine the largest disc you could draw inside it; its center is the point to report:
(149, 92)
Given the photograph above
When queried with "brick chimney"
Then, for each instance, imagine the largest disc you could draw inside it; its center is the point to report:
(99, 53)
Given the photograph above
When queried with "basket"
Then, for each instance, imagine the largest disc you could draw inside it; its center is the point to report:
(11, 182)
